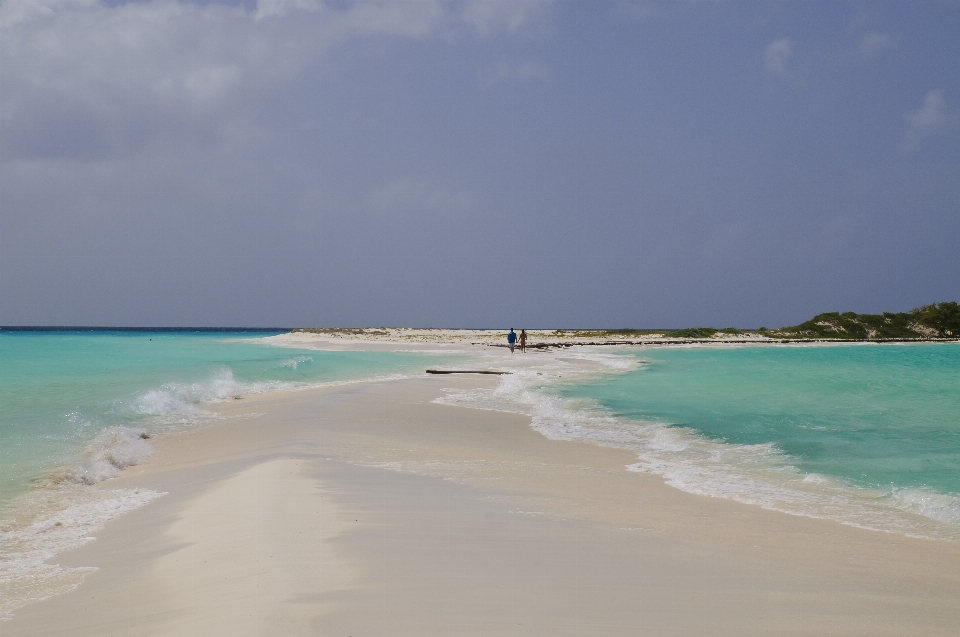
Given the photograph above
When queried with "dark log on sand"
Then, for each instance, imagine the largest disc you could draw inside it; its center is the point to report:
(463, 371)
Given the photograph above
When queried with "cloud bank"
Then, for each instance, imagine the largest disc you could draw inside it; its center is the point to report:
(84, 80)
(462, 162)
(873, 43)
(931, 119)
(776, 58)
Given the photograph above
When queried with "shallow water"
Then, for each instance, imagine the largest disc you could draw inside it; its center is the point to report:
(59, 391)
(868, 435)
(872, 416)
(76, 408)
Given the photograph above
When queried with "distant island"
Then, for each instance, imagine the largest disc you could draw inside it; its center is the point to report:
(937, 321)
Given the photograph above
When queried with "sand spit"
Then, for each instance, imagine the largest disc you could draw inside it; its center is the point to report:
(373, 510)
(429, 338)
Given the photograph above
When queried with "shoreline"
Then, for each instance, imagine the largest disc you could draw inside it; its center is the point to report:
(482, 508)
(545, 339)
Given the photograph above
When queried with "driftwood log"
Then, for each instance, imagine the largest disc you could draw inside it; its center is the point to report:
(464, 371)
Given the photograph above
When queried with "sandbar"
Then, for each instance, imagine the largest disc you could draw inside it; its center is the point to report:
(367, 509)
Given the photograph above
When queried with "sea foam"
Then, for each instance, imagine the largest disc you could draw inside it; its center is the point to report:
(178, 400)
(758, 474)
(53, 520)
(98, 414)
(113, 450)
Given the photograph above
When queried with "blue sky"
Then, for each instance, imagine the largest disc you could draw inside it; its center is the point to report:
(475, 164)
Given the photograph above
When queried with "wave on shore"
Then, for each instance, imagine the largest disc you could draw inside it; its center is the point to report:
(68, 504)
(51, 521)
(757, 474)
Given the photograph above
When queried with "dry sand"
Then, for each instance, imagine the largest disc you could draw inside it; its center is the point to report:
(368, 510)
(390, 338)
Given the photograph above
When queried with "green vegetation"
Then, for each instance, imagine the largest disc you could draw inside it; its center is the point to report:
(623, 333)
(693, 332)
(944, 318)
(852, 326)
(345, 331)
(935, 320)
(701, 332)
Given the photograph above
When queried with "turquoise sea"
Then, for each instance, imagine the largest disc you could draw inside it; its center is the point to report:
(864, 434)
(60, 390)
(77, 407)
(867, 435)
(871, 416)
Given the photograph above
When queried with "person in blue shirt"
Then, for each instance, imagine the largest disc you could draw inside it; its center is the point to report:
(512, 339)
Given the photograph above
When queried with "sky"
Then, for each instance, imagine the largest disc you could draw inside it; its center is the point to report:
(485, 163)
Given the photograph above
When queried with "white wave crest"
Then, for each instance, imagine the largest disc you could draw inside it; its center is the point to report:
(752, 474)
(113, 450)
(293, 363)
(52, 521)
(63, 512)
(175, 404)
(938, 506)
(177, 399)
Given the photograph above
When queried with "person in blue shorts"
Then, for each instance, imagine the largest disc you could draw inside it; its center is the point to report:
(512, 340)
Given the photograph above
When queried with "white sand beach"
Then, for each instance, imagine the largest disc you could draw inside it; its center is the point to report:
(369, 510)
(392, 337)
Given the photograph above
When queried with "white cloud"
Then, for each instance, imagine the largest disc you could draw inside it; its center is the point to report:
(873, 43)
(276, 8)
(81, 79)
(490, 16)
(517, 72)
(368, 18)
(933, 118)
(639, 10)
(776, 58)
(411, 198)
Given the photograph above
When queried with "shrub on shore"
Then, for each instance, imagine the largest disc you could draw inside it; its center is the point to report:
(937, 319)
(943, 317)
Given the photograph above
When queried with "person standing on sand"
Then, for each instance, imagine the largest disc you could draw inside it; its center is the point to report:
(523, 340)
(511, 340)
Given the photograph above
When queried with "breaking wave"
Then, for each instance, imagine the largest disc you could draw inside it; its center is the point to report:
(112, 451)
(63, 511)
(53, 520)
(757, 474)
(178, 401)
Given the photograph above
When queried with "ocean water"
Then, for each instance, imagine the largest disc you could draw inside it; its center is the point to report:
(877, 417)
(868, 435)
(76, 408)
